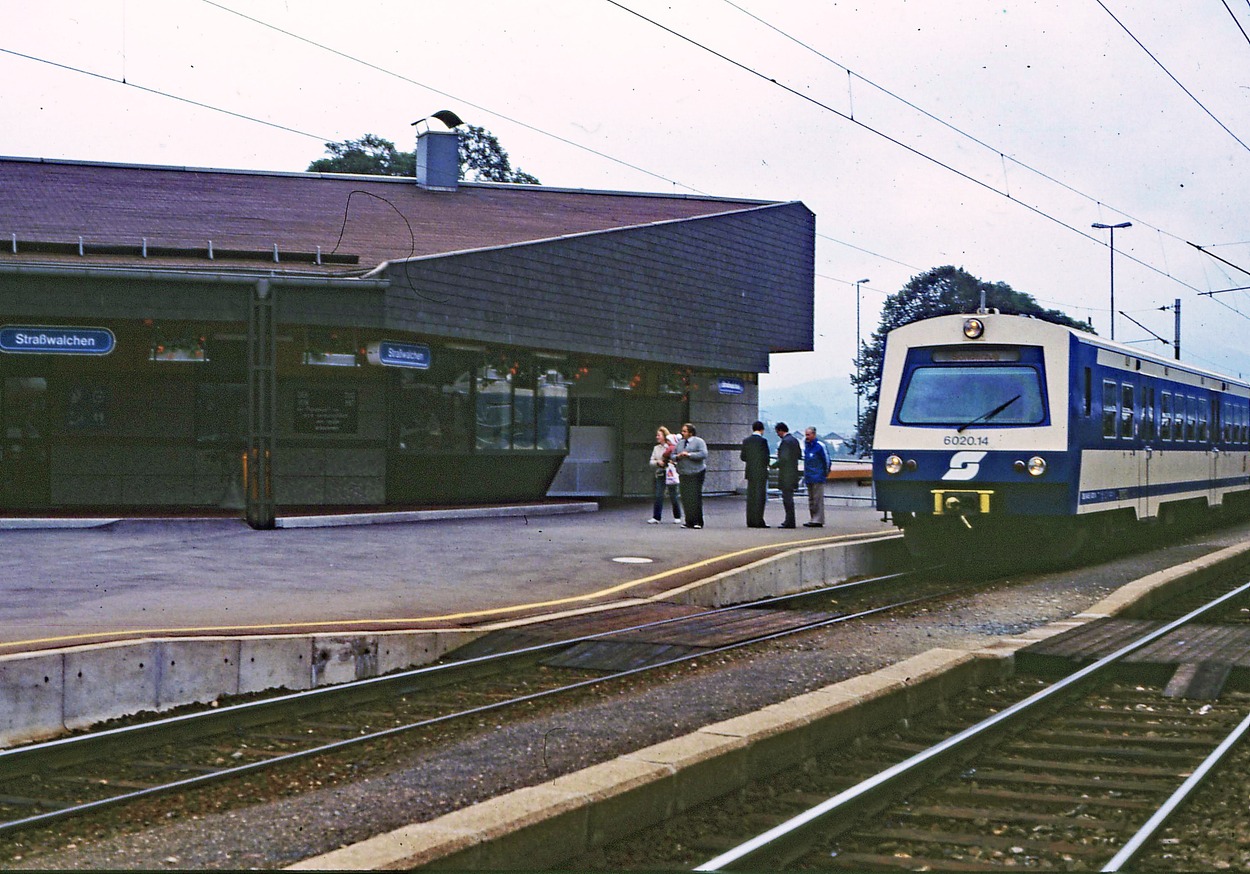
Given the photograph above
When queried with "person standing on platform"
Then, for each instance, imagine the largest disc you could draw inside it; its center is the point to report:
(815, 472)
(691, 458)
(788, 454)
(755, 454)
(665, 473)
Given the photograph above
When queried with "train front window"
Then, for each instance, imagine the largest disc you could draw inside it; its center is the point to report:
(968, 395)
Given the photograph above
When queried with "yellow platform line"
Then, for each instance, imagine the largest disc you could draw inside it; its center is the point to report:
(297, 627)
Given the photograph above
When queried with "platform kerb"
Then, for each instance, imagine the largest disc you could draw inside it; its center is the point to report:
(791, 572)
(666, 778)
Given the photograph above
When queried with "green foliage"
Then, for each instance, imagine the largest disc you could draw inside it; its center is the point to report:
(482, 158)
(941, 291)
(371, 155)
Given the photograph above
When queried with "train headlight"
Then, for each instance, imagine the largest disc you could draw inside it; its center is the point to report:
(893, 464)
(1037, 466)
(973, 328)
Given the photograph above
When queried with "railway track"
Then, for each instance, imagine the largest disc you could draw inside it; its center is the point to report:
(1081, 774)
(42, 784)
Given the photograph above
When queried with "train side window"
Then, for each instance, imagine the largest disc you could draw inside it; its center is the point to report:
(1203, 413)
(1089, 392)
(1165, 416)
(1127, 393)
(1110, 414)
(1191, 418)
(1223, 429)
(1147, 430)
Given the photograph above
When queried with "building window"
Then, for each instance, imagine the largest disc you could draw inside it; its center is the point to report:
(493, 420)
(553, 409)
(431, 412)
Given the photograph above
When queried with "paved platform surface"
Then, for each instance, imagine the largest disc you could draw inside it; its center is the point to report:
(134, 578)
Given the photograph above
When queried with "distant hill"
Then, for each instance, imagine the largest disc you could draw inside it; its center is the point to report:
(829, 404)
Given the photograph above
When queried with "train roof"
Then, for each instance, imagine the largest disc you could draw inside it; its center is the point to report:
(1042, 325)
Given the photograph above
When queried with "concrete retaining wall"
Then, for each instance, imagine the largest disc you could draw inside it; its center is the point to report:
(43, 694)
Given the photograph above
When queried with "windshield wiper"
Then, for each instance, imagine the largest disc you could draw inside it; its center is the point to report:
(985, 417)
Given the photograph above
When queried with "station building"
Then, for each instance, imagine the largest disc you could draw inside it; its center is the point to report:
(175, 338)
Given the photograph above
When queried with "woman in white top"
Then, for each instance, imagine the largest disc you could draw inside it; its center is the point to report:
(665, 475)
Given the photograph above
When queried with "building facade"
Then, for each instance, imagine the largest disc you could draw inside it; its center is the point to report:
(191, 338)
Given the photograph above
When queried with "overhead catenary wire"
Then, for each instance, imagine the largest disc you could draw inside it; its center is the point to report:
(912, 149)
(166, 94)
(666, 179)
(1003, 156)
(1006, 194)
(1168, 72)
(1236, 21)
(448, 95)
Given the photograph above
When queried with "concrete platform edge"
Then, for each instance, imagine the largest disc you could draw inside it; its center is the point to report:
(577, 812)
(44, 693)
(338, 521)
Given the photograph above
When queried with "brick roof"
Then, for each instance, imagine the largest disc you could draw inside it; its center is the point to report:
(113, 207)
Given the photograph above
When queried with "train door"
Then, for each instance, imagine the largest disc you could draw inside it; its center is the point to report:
(1209, 432)
(1148, 504)
(1132, 463)
(24, 473)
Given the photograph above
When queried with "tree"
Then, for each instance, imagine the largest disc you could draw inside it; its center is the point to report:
(481, 154)
(482, 158)
(939, 292)
(371, 155)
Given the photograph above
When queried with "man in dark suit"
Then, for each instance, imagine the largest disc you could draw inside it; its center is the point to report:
(755, 454)
(788, 454)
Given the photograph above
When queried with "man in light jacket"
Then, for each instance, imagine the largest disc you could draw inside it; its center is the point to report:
(691, 458)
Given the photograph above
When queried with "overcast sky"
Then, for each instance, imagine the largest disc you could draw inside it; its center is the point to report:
(985, 135)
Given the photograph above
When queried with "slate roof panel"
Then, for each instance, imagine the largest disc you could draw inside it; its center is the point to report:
(376, 218)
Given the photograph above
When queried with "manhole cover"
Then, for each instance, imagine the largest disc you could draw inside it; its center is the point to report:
(633, 559)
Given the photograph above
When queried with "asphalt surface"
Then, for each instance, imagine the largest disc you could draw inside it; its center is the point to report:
(131, 578)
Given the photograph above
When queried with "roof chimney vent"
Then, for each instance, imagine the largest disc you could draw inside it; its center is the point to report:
(438, 153)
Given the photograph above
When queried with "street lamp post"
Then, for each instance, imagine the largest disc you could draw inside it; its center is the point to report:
(1113, 229)
(858, 390)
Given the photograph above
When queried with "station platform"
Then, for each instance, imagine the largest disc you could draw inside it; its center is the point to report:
(75, 582)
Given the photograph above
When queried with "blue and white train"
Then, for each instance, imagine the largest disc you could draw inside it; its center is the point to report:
(1007, 429)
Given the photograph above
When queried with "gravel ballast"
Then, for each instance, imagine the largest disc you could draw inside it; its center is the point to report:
(278, 819)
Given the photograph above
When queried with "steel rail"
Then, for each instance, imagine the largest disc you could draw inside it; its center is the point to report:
(159, 732)
(1135, 845)
(753, 850)
(13, 762)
